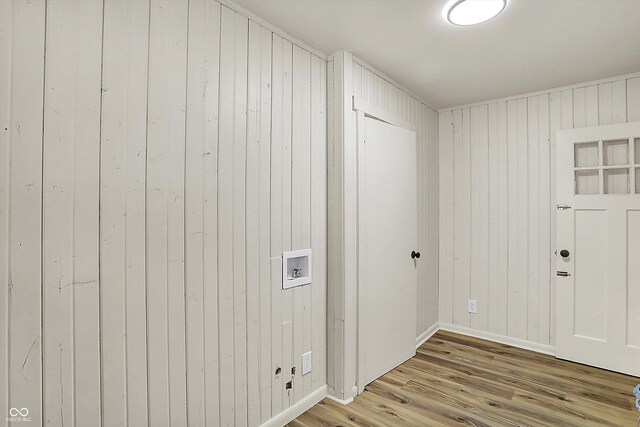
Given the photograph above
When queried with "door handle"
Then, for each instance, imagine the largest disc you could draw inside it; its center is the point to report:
(564, 253)
(415, 254)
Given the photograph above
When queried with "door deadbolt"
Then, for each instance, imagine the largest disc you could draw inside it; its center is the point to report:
(415, 254)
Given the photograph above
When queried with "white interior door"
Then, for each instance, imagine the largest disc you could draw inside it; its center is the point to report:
(387, 236)
(598, 300)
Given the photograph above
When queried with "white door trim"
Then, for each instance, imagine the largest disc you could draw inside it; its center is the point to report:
(361, 119)
(367, 108)
(364, 109)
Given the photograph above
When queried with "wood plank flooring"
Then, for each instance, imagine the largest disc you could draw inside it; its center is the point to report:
(460, 380)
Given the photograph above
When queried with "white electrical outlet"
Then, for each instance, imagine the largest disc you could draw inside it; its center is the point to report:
(473, 306)
(306, 363)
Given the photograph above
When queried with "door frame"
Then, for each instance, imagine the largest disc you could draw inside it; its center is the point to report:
(365, 109)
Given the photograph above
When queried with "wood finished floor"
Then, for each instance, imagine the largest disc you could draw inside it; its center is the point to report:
(459, 380)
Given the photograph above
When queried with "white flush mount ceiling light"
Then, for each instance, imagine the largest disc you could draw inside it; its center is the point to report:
(471, 12)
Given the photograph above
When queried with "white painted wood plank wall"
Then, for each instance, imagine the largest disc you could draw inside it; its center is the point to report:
(22, 36)
(154, 164)
(508, 221)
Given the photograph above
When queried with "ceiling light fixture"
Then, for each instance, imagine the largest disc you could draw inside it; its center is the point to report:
(472, 12)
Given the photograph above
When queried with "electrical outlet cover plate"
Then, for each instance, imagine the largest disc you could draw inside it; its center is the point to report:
(473, 306)
(306, 363)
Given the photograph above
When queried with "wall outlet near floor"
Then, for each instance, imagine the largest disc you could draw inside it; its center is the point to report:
(473, 306)
(306, 363)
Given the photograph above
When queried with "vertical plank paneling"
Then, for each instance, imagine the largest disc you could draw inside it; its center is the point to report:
(24, 80)
(135, 246)
(264, 141)
(533, 217)
(226, 222)
(6, 131)
(349, 237)
(175, 234)
(122, 216)
(378, 90)
(201, 235)
(422, 215)
(633, 99)
(335, 90)
(605, 103)
(319, 217)
(459, 240)
(386, 95)
(287, 218)
(465, 225)
(112, 210)
(165, 207)
(305, 162)
(479, 258)
(70, 221)
(58, 220)
(545, 212)
(253, 225)
(501, 299)
(431, 233)
(494, 289)
(619, 101)
(555, 124)
(567, 109)
(287, 354)
(357, 80)
(258, 231)
(277, 306)
(205, 93)
(579, 107)
(522, 219)
(463, 221)
(447, 189)
(239, 217)
(513, 240)
(86, 212)
(591, 105)
(136, 57)
(366, 84)
(160, 209)
(298, 173)
(396, 100)
(428, 230)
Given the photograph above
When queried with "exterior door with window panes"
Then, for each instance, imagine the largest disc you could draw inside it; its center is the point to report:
(598, 247)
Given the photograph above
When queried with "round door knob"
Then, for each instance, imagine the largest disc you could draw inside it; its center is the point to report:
(564, 253)
(415, 254)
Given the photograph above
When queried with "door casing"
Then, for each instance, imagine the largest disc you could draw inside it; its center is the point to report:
(363, 327)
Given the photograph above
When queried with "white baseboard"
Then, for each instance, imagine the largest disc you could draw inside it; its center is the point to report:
(514, 342)
(340, 401)
(426, 335)
(297, 409)
(354, 393)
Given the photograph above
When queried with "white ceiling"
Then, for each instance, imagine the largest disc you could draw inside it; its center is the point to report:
(533, 45)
